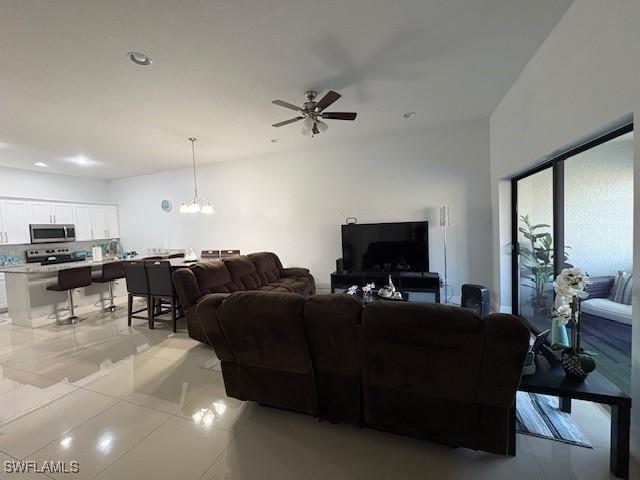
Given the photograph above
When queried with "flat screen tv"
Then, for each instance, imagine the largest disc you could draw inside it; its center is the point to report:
(386, 247)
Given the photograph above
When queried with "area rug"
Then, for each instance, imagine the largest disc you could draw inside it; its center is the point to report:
(540, 416)
(211, 364)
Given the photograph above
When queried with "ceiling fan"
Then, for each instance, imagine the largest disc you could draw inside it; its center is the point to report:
(313, 113)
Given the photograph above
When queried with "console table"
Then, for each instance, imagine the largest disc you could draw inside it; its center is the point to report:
(595, 388)
(419, 286)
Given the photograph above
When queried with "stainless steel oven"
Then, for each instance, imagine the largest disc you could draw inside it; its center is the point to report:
(52, 233)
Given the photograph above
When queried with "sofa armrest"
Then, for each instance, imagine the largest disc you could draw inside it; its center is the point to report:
(506, 345)
(187, 287)
(295, 272)
(208, 320)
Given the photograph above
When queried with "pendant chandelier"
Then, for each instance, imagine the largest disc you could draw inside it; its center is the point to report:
(197, 204)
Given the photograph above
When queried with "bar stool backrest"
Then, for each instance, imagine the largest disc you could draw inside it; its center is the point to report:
(71, 278)
(176, 255)
(209, 254)
(160, 281)
(136, 275)
(112, 271)
(229, 253)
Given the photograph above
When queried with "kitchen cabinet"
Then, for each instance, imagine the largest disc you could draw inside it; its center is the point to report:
(50, 212)
(92, 221)
(62, 213)
(3, 292)
(14, 226)
(105, 222)
(83, 216)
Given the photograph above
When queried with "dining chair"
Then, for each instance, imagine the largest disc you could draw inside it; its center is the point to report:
(161, 289)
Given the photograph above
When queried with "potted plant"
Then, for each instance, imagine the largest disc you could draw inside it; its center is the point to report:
(570, 287)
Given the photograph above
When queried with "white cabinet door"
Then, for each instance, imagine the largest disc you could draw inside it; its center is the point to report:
(83, 215)
(14, 221)
(3, 292)
(62, 213)
(40, 212)
(113, 227)
(100, 225)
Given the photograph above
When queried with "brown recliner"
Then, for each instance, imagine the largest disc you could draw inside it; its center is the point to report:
(441, 372)
(331, 324)
(265, 333)
(258, 271)
(427, 370)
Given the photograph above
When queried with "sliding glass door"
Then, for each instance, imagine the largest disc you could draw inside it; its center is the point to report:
(577, 211)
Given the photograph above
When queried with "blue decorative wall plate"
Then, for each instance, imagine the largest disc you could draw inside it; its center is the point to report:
(166, 205)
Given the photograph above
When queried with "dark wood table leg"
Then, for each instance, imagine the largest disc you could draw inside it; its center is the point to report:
(512, 432)
(565, 404)
(620, 431)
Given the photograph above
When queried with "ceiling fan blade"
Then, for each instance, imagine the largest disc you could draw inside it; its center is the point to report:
(340, 115)
(284, 104)
(287, 122)
(315, 129)
(327, 100)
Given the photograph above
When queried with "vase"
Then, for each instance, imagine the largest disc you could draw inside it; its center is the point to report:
(559, 336)
(577, 365)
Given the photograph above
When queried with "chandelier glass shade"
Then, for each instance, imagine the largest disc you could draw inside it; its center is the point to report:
(196, 204)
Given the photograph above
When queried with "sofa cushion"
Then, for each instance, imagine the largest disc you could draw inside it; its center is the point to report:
(622, 288)
(431, 350)
(605, 308)
(266, 266)
(212, 277)
(243, 273)
(266, 334)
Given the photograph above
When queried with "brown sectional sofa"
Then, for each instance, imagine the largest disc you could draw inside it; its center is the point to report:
(427, 370)
(261, 271)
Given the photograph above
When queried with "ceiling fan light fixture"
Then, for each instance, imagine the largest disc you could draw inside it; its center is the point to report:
(322, 127)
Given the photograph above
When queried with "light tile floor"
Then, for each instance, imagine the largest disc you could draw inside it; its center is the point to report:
(130, 403)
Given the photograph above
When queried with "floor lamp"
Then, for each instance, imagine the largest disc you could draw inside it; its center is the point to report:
(444, 224)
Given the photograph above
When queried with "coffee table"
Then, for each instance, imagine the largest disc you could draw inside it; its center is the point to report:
(595, 388)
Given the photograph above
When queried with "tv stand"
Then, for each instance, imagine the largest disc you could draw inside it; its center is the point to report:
(419, 286)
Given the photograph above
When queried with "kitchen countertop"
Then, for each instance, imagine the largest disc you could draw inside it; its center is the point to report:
(38, 268)
(27, 268)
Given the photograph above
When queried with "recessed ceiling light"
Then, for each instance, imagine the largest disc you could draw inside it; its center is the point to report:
(81, 160)
(40, 164)
(139, 58)
(409, 115)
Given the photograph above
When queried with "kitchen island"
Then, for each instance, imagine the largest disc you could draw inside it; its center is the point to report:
(31, 305)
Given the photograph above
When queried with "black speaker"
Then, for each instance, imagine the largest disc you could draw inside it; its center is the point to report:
(476, 298)
(339, 265)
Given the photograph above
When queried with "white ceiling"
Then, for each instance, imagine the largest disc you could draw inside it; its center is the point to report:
(67, 89)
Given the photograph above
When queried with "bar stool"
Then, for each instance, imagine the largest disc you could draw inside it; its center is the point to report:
(176, 255)
(161, 288)
(68, 280)
(110, 271)
(137, 286)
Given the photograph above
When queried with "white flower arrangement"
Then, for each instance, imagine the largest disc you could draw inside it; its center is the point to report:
(570, 283)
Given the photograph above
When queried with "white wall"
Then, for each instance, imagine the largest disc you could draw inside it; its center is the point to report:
(584, 76)
(47, 186)
(293, 203)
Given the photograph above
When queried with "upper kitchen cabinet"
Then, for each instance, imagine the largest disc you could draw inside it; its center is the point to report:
(83, 219)
(105, 222)
(14, 226)
(50, 212)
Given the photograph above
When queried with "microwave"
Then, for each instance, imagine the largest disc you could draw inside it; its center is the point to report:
(51, 233)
